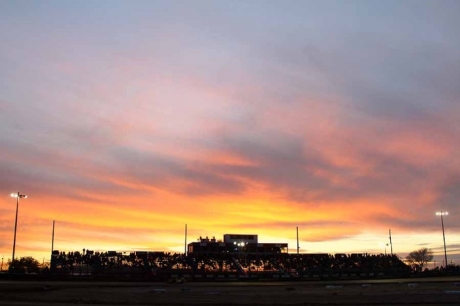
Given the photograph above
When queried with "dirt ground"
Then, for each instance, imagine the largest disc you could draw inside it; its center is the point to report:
(385, 292)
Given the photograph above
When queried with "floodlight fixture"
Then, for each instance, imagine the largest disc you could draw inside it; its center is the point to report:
(18, 195)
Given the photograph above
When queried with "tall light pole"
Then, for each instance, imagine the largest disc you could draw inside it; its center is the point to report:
(17, 196)
(391, 243)
(443, 213)
(297, 229)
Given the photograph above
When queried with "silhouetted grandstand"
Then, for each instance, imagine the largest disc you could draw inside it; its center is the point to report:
(231, 261)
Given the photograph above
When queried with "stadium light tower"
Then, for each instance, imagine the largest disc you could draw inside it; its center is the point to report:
(17, 196)
(443, 213)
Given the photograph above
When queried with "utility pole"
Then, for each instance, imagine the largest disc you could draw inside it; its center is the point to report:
(297, 229)
(185, 246)
(391, 243)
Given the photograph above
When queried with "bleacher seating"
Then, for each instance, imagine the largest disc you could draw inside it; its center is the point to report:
(156, 264)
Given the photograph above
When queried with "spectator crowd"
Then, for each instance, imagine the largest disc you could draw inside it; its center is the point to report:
(240, 264)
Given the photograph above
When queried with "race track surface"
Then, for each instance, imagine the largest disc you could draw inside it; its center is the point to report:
(426, 291)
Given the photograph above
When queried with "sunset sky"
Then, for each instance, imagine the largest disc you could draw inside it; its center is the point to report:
(125, 120)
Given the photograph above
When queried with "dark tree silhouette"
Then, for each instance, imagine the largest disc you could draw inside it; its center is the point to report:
(24, 265)
(420, 257)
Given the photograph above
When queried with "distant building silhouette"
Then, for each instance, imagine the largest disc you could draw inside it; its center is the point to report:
(236, 243)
